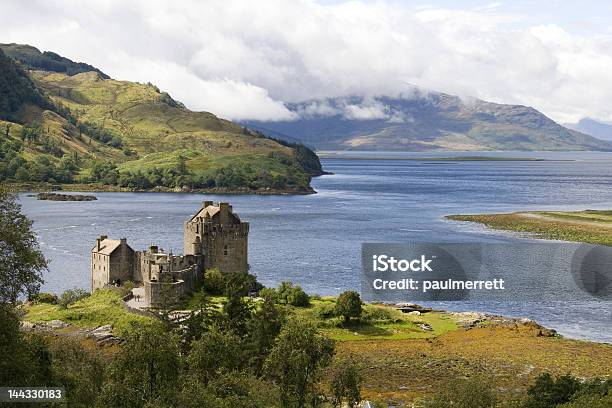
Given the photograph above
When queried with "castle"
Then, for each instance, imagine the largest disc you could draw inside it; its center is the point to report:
(214, 237)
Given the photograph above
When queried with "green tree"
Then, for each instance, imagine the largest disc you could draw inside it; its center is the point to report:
(71, 296)
(214, 281)
(470, 393)
(215, 352)
(345, 382)
(549, 392)
(236, 310)
(230, 390)
(146, 370)
(348, 305)
(292, 295)
(21, 262)
(296, 362)
(263, 328)
(25, 358)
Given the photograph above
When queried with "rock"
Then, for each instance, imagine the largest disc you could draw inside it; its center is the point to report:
(27, 325)
(425, 327)
(414, 313)
(105, 328)
(57, 324)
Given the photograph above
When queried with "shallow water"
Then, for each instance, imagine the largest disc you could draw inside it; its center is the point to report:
(315, 240)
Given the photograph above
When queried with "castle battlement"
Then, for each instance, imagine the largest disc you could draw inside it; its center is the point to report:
(214, 237)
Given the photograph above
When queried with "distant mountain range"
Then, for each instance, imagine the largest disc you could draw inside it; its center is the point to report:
(595, 128)
(424, 121)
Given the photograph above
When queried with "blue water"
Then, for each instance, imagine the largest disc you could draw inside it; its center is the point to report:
(315, 240)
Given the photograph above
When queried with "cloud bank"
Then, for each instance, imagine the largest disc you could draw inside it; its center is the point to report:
(242, 60)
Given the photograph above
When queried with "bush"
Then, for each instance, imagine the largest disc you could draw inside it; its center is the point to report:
(44, 297)
(471, 393)
(325, 310)
(348, 305)
(214, 282)
(381, 314)
(126, 288)
(71, 296)
(292, 295)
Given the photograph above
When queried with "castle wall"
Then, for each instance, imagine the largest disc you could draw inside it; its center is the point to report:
(226, 247)
(121, 264)
(100, 268)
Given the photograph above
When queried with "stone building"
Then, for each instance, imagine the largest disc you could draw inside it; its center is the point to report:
(217, 233)
(214, 237)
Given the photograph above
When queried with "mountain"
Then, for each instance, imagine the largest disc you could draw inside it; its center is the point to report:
(85, 128)
(17, 89)
(421, 121)
(31, 58)
(600, 130)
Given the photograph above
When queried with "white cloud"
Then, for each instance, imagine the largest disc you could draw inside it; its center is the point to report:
(243, 59)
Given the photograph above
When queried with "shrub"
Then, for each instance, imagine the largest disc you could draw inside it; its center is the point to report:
(471, 393)
(381, 314)
(325, 310)
(44, 297)
(71, 296)
(292, 295)
(348, 305)
(214, 282)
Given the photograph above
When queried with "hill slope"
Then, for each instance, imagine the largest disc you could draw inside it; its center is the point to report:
(426, 121)
(600, 130)
(85, 128)
(31, 58)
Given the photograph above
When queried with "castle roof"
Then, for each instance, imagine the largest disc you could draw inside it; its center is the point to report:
(210, 210)
(213, 210)
(107, 246)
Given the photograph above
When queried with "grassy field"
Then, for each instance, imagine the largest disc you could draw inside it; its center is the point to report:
(101, 308)
(590, 226)
(404, 357)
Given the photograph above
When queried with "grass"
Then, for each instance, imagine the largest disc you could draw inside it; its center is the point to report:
(102, 307)
(154, 130)
(590, 226)
(404, 370)
(378, 322)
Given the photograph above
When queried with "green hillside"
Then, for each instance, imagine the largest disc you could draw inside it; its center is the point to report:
(32, 58)
(83, 128)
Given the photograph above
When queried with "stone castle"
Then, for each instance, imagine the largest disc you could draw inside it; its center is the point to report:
(214, 237)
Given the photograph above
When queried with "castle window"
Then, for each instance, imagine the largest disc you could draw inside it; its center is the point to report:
(225, 250)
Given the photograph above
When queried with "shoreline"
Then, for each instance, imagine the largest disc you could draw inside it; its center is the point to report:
(101, 188)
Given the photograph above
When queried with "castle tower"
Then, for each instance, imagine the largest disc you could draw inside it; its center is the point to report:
(217, 233)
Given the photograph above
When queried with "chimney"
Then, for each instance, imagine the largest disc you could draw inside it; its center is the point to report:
(224, 212)
(206, 203)
(123, 241)
(153, 249)
(103, 237)
(98, 244)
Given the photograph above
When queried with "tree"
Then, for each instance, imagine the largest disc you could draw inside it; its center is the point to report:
(146, 370)
(263, 328)
(21, 262)
(549, 392)
(71, 296)
(181, 166)
(292, 295)
(213, 353)
(296, 361)
(236, 310)
(24, 362)
(348, 305)
(345, 382)
(471, 393)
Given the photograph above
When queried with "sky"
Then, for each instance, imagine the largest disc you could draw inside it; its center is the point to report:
(245, 59)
